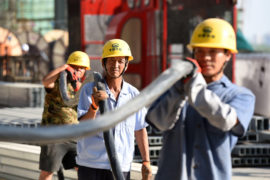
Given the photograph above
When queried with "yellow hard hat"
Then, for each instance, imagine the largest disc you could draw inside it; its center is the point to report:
(79, 58)
(116, 48)
(214, 33)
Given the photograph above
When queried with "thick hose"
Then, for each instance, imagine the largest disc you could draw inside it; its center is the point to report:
(71, 102)
(109, 138)
(54, 134)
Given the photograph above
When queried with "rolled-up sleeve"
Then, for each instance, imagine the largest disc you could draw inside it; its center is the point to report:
(244, 105)
(140, 119)
(84, 99)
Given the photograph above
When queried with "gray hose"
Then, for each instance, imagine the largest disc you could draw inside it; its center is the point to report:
(54, 134)
(109, 139)
(71, 102)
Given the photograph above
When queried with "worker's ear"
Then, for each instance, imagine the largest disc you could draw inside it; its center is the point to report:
(126, 65)
(228, 55)
(103, 62)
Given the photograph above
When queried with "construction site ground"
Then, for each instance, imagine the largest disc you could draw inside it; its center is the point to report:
(23, 159)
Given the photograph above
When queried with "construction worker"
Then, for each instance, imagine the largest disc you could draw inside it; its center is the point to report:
(57, 113)
(203, 115)
(92, 159)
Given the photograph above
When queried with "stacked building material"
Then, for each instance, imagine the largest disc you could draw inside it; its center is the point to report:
(253, 149)
(155, 144)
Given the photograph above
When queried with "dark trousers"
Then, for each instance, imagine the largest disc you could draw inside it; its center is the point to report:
(86, 173)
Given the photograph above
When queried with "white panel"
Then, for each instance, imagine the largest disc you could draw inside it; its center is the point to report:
(253, 71)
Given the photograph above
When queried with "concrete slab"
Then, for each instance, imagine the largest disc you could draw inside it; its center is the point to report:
(21, 94)
(29, 117)
(251, 173)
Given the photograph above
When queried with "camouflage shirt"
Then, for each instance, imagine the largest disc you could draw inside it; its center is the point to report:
(55, 111)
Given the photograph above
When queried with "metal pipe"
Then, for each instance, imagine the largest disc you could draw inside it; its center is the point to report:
(54, 134)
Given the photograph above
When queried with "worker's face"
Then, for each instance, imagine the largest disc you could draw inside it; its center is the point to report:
(115, 66)
(211, 61)
(80, 70)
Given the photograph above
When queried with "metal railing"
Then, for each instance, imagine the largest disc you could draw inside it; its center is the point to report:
(54, 134)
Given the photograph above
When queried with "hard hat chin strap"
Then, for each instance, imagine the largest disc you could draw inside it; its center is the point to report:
(124, 70)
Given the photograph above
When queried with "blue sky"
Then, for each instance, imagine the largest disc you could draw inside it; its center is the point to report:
(255, 18)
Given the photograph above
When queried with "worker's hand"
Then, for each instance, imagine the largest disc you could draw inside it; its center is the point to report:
(196, 69)
(183, 84)
(98, 95)
(72, 76)
(68, 67)
(146, 170)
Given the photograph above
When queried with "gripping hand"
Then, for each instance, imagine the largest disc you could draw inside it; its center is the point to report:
(98, 95)
(197, 69)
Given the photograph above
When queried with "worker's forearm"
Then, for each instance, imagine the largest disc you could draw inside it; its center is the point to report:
(50, 78)
(91, 114)
(142, 141)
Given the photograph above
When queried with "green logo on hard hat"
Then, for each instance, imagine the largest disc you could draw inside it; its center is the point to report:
(115, 47)
(207, 29)
(206, 33)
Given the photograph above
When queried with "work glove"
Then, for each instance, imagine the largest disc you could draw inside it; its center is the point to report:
(146, 170)
(72, 75)
(196, 69)
(98, 95)
(184, 82)
(169, 105)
